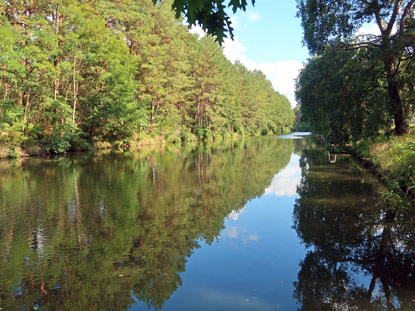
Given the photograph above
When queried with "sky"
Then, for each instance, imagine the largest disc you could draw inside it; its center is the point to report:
(268, 37)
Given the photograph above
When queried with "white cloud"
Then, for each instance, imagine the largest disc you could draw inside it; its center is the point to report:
(250, 238)
(240, 234)
(196, 29)
(281, 74)
(372, 29)
(233, 49)
(254, 17)
(368, 30)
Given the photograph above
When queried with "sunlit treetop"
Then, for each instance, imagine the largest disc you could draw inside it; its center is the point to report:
(210, 14)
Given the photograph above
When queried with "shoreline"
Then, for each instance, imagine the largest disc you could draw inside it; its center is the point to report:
(391, 161)
(35, 150)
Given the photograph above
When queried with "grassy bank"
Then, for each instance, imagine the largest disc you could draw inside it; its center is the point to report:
(393, 158)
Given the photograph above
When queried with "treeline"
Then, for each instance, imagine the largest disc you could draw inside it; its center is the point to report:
(357, 86)
(76, 73)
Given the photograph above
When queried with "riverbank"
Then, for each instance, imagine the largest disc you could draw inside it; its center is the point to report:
(139, 142)
(392, 159)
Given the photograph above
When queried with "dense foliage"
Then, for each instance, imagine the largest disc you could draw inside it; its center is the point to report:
(357, 86)
(79, 72)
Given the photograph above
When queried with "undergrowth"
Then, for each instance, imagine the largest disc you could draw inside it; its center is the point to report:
(394, 158)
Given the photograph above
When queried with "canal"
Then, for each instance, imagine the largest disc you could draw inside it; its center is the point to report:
(267, 223)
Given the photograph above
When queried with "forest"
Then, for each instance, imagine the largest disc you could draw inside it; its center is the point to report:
(81, 74)
(357, 85)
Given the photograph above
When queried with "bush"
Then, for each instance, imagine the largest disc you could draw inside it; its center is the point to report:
(188, 137)
(173, 138)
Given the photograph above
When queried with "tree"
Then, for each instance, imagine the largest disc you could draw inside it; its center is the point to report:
(101, 73)
(209, 14)
(330, 23)
(342, 95)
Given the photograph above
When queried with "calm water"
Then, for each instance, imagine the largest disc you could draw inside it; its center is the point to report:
(257, 224)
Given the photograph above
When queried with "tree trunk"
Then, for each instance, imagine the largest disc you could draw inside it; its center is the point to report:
(75, 95)
(132, 47)
(401, 126)
(396, 106)
(153, 112)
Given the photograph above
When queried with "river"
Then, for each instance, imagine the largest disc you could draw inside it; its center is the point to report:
(268, 223)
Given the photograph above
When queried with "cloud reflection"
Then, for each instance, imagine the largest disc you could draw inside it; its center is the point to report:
(285, 182)
(253, 237)
(231, 233)
(250, 238)
(238, 233)
(234, 215)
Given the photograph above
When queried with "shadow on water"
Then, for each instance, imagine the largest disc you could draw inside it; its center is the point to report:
(100, 232)
(361, 250)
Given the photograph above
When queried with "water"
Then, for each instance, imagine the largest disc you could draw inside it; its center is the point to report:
(256, 224)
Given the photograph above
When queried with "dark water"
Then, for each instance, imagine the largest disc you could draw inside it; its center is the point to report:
(257, 224)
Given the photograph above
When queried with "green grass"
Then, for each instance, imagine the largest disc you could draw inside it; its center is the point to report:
(394, 157)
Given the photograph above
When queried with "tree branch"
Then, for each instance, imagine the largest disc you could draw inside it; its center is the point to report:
(393, 18)
(405, 15)
(357, 46)
(379, 20)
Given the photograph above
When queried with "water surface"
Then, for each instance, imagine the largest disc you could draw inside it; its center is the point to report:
(255, 224)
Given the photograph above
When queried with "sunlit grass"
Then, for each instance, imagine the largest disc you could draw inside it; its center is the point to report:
(394, 157)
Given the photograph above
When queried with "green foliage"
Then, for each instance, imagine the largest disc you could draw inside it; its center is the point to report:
(188, 137)
(209, 14)
(76, 74)
(300, 124)
(379, 63)
(342, 96)
(395, 159)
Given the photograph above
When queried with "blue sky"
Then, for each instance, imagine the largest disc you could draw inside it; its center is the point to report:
(271, 32)
(268, 37)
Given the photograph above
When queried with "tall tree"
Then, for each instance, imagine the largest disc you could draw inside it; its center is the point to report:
(327, 23)
(75, 74)
(343, 96)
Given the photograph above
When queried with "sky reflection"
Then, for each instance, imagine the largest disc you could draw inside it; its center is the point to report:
(285, 182)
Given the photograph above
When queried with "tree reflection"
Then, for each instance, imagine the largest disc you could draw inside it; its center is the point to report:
(99, 233)
(361, 252)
